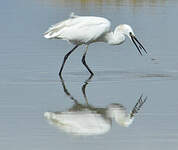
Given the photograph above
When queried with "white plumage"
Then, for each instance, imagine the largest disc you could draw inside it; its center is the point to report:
(79, 30)
(91, 120)
(83, 122)
(86, 119)
(89, 29)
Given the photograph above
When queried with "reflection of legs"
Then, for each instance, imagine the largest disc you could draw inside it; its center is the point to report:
(65, 58)
(84, 62)
(84, 88)
(67, 92)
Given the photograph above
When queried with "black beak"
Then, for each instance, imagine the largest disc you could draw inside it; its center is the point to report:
(139, 46)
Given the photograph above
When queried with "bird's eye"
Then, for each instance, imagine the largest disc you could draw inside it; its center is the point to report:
(130, 33)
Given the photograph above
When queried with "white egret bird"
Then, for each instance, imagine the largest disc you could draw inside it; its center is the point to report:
(89, 29)
(89, 120)
(85, 119)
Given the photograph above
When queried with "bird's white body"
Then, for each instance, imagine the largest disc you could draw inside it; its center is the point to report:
(89, 29)
(86, 119)
(90, 121)
(85, 30)
(79, 122)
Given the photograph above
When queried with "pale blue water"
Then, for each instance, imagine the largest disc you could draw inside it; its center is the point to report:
(30, 86)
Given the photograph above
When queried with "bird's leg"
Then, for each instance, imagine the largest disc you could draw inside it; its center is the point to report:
(65, 58)
(84, 62)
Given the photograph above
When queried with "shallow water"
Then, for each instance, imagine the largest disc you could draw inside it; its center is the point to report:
(30, 86)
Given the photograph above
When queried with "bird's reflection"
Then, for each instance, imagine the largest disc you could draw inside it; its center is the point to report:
(85, 119)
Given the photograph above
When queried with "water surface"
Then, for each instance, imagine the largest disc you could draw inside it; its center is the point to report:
(30, 85)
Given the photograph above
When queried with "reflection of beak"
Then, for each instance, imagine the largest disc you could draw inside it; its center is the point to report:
(139, 46)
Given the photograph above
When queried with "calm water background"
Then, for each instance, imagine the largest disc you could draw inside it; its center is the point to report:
(29, 83)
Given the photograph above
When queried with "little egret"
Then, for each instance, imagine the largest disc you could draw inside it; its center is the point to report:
(85, 119)
(89, 29)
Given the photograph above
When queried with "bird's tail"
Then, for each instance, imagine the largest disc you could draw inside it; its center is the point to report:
(47, 35)
(52, 32)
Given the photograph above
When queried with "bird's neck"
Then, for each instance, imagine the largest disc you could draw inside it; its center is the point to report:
(114, 38)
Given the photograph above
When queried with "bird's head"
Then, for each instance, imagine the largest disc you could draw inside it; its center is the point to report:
(128, 31)
(119, 113)
(125, 29)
